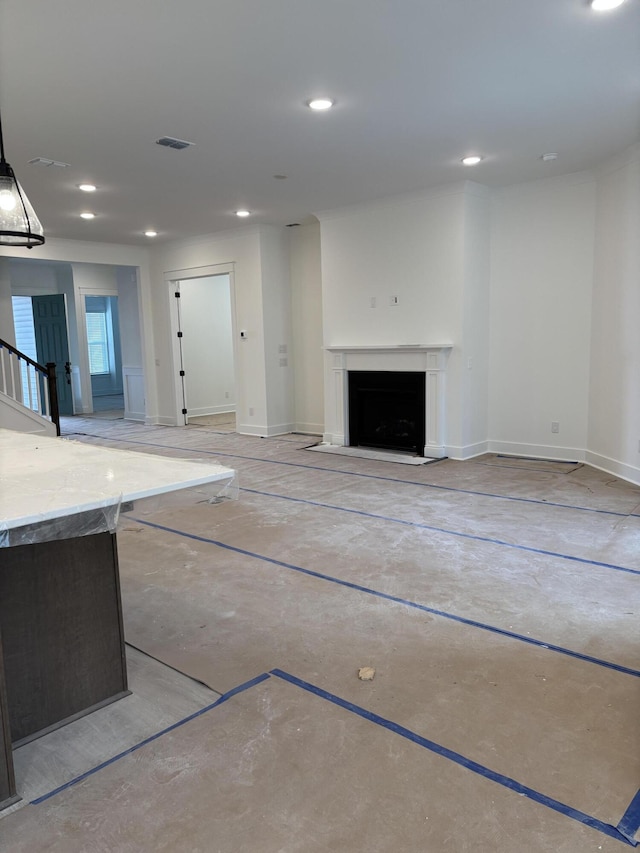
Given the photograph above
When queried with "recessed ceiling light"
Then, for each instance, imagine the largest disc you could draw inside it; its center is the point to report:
(88, 215)
(472, 160)
(150, 233)
(320, 103)
(547, 158)
(280, 177)
(87, 188)
(243, 213)
(605, 5)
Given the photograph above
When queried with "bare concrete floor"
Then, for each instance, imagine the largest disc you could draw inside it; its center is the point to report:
(497, 600)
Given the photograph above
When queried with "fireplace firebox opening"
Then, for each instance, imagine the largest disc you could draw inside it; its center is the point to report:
(387, 410)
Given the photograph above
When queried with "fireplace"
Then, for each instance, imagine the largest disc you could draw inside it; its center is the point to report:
(428, 360)
(387, 410)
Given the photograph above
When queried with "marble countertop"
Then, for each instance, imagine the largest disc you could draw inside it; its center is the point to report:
(45, 478)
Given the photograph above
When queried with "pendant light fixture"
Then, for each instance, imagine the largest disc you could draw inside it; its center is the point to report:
(19, 225)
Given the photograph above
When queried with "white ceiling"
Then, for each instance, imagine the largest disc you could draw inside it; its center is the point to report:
(418, 84)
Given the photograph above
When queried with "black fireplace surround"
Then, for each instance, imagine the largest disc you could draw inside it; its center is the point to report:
(387, 410)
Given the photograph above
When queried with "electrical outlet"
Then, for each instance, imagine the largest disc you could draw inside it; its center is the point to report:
(555, 426)
(372, 302)
(284, 362)
(226, 395)
(250, 412)
(394, 300)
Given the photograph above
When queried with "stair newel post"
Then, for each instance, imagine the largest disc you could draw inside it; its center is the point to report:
(53, 395)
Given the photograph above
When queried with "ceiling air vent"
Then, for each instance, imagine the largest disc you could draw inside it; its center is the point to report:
(44, 161)
(170, 142)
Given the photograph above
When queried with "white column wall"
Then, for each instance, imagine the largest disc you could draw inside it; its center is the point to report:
(131, 344)
(413, 248)
(474, 354)
(306, 307)
(542, 237)
(276, 303)
(614, 399)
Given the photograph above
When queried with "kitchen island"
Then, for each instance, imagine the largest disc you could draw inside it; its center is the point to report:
(61, 632)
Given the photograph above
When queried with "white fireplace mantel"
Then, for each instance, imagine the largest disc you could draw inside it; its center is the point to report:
(429, 359)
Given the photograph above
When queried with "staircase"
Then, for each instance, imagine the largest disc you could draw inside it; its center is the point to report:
(28, 393)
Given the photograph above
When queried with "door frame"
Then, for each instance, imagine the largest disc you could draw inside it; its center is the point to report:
(83, 345)
(172, 278)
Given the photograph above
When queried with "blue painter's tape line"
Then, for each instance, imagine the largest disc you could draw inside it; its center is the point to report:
(225, 696)
(371, 477)
(241, 688)
(396, 600)
(461, 760)
(447, 532)
(630, 823)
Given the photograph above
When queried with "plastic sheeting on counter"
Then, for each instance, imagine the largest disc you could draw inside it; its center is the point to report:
(51, 488)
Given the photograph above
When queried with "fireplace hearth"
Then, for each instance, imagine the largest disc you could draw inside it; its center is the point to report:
(387, 410)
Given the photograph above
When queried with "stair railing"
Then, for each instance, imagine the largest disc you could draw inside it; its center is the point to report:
(19, 372)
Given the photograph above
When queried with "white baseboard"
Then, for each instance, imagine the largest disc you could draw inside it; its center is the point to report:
(613, 466)
(134, 416)
(467, 451)
(309, 429)
(211, 410)
(537, 451)
(264, 431)
(250, 429)
(159, 420)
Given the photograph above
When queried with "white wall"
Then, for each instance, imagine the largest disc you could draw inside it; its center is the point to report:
(207, 344)
(131, 344)
(474, 352)
(32, 278)
(306, 313)
(88, 280)
(614, 398)
(7, 332)
(407, 247)
(276, 307)
(129, 313)
(542, 237)
(430, 251)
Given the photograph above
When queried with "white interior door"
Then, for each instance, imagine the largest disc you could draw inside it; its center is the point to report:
(205, 345)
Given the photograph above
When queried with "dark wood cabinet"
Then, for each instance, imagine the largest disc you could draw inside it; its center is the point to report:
(63, 649)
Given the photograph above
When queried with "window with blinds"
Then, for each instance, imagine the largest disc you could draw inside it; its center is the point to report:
(98, 342)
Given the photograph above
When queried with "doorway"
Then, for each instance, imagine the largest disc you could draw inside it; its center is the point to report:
(40, 324)
(105, 360)
(205, 352)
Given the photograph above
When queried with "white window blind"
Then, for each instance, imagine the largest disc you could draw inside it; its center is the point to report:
(98, 344)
